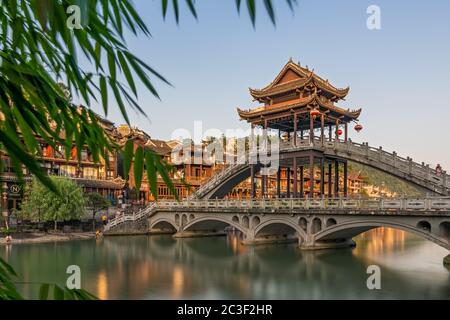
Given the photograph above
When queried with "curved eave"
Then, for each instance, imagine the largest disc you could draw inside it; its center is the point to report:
(340, 93)
(273, 90)
(314, 99)
(280, 88)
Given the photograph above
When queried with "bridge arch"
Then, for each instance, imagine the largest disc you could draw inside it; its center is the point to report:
(279, 226)
(424, 225)
(350, 230)
(163, 224)
(212, 224)
(444, 229)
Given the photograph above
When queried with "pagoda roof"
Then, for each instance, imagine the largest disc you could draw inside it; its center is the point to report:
(292, 77)
(287, 106)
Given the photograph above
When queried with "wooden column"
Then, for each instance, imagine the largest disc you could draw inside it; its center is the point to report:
(252, 134)
(345, 179)
(336, 179)
(279, 182)
(311, 176)
(330, 180)
(295, 129)
(288, 187)
(322, 177)
(302, 181)
(322, 128)
(253, 182)
(330, 133)
(311, 128)
(302, 135)
(263, 184)
(295, 178)
(346, 132)
(337, 130)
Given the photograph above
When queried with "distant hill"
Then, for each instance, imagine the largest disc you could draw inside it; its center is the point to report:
(380, 179)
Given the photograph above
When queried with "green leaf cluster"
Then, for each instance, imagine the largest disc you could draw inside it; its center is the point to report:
(67, 204)
(38, 52)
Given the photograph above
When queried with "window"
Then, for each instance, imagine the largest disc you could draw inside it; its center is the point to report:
(90, 173)
(68, 171)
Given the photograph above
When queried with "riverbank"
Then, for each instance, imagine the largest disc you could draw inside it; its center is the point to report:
(37, 237)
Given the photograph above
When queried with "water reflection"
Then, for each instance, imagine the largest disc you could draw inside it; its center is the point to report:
(159, 267)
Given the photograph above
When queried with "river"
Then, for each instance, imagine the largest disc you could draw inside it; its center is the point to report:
(159, 267)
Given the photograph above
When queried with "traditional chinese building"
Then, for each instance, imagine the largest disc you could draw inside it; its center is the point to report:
(302, 107)
(100, 177)
(186, 176)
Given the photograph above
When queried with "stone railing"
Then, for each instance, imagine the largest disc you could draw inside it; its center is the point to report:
(122, 218)
(371, 204)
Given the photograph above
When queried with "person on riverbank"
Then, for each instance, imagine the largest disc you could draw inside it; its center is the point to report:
(104, 219)
(438, 170)
(98, 235)
(8, 239)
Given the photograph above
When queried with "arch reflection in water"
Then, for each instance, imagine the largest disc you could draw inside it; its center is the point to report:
(159, 267)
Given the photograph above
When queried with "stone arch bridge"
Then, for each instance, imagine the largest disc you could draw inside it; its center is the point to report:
(313, 223)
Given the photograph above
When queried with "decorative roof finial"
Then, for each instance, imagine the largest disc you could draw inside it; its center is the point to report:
(290, 59)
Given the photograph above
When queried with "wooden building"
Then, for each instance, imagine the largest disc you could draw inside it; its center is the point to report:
(302, 107)
(92, 176)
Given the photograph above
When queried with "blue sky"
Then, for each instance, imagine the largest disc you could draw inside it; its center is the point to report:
(399, 75)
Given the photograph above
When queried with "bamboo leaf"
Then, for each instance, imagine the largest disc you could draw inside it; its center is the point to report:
(104, 94)
(138, 167)
(270, 11)
(58, 293)
(164, 7)
(251, 6)
(128, 158)
(151, 173)
(43, 291)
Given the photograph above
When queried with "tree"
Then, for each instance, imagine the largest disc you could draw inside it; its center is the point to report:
(40, 41)
(67, 203)
(96, 202)
(33, 206)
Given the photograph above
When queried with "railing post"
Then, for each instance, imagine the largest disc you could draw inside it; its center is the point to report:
(444, 179)
(410, 165)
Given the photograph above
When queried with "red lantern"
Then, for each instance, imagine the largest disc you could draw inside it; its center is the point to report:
(314, 113)
(340, 132)
(358, 127)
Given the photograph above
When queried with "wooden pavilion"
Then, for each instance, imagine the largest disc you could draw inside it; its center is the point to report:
(301, 106)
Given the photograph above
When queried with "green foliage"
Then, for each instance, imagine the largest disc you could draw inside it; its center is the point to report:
(380, 179)
(8, 289)
(97, 202)
(38, 50)
(67, 204)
